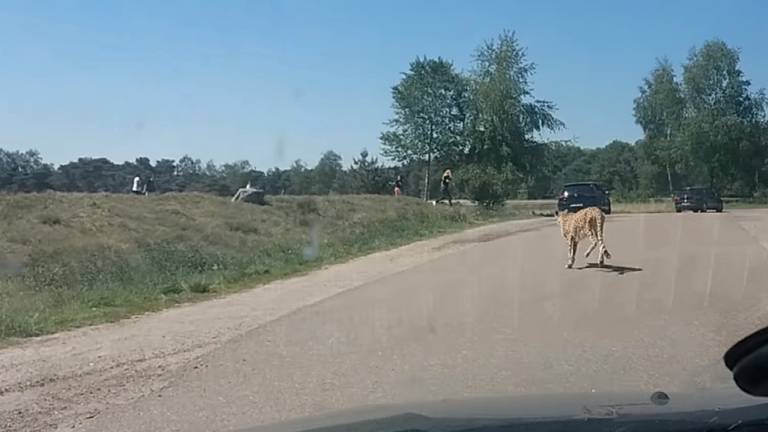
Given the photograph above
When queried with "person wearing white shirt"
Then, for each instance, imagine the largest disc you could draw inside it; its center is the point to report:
(136, 188)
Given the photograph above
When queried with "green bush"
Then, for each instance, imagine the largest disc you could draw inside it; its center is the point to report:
(490, 187)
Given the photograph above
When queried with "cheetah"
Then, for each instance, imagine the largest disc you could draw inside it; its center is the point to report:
(577, 226)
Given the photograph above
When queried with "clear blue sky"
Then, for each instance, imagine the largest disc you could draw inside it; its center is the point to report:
(275, 81)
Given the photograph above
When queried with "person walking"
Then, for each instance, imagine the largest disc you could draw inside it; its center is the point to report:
(398, 186)
(445, 187)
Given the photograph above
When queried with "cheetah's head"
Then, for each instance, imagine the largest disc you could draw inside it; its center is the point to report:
(561, 216)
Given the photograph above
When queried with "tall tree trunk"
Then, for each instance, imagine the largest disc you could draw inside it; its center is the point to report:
(669, 179)
(426, 176)
(669, 171)
(757, 178)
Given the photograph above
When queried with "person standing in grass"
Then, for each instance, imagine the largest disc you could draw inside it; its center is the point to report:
(136, 188)
(445, 187)
(398, 186)
(149, 186)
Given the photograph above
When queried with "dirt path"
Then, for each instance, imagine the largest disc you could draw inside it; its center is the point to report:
(61, 381)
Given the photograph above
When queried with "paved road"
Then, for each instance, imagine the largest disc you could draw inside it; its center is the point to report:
(502, 317)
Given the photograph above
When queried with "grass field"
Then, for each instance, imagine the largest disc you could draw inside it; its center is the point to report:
(69, 260)
(655, 206)
(547, 207)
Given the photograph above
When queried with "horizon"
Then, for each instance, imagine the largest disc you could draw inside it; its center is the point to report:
(292, 80)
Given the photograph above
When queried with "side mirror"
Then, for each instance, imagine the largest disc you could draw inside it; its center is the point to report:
(748, 361)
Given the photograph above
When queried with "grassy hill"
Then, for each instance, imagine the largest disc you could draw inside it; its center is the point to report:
(69, 260)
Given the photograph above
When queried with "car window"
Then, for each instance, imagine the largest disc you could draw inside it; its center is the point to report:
(581, 189)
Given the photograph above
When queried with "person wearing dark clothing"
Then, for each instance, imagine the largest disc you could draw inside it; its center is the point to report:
(398, 186)
(149, 186)
(445, 188)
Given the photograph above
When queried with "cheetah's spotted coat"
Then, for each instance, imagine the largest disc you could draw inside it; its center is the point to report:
(577, 226)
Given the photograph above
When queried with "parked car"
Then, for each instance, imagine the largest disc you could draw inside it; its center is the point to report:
(697, 199)
(576, 196)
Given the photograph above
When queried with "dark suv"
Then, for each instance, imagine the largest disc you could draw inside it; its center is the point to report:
(697, 199)
(576, 196)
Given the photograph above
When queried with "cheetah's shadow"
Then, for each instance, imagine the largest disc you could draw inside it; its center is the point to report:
(619, 270)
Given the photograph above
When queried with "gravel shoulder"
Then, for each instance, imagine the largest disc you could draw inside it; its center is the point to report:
(62, 380)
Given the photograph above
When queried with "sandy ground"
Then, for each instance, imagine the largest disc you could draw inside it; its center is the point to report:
(64, 380)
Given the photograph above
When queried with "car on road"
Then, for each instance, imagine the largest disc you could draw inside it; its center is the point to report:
(576, 196)
(697, 199)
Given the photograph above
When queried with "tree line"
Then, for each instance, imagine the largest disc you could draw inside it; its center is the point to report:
(707, 128)
(704, 127)
(27, 172)
(619, 165)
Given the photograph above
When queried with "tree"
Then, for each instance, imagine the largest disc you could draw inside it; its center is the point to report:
(165, 170)
(24, 171)
(144, 166)
(366, 176)
(652, 179)
(615, 166)
(560, 155)
(659, 111)
(724, 119)
(276, 181)
(429, 106)
(299, 179)
(93, 175)
(237, 174)
(188, 166)
(487, 185)
(504, 117)
(326, 173)
(579, 169)
(211, 169)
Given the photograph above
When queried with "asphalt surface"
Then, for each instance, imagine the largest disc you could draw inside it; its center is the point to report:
(503, 317)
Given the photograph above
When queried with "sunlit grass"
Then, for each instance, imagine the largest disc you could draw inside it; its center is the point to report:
(69, 260)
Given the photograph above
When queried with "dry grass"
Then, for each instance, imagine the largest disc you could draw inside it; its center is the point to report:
(547, 207)
(68, 260)
(655, 206)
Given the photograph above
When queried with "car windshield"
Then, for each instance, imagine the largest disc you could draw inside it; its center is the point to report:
(582, 189)
(696, 192)
(222, 214)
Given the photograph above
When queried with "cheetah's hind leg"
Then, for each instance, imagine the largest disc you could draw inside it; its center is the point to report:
(590, 249)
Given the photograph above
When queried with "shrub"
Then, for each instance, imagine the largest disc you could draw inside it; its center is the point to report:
(199, 286)
(488, 186)
(50, 219)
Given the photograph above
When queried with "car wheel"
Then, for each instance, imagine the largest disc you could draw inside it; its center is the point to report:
(719, 210)
(677, 210)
